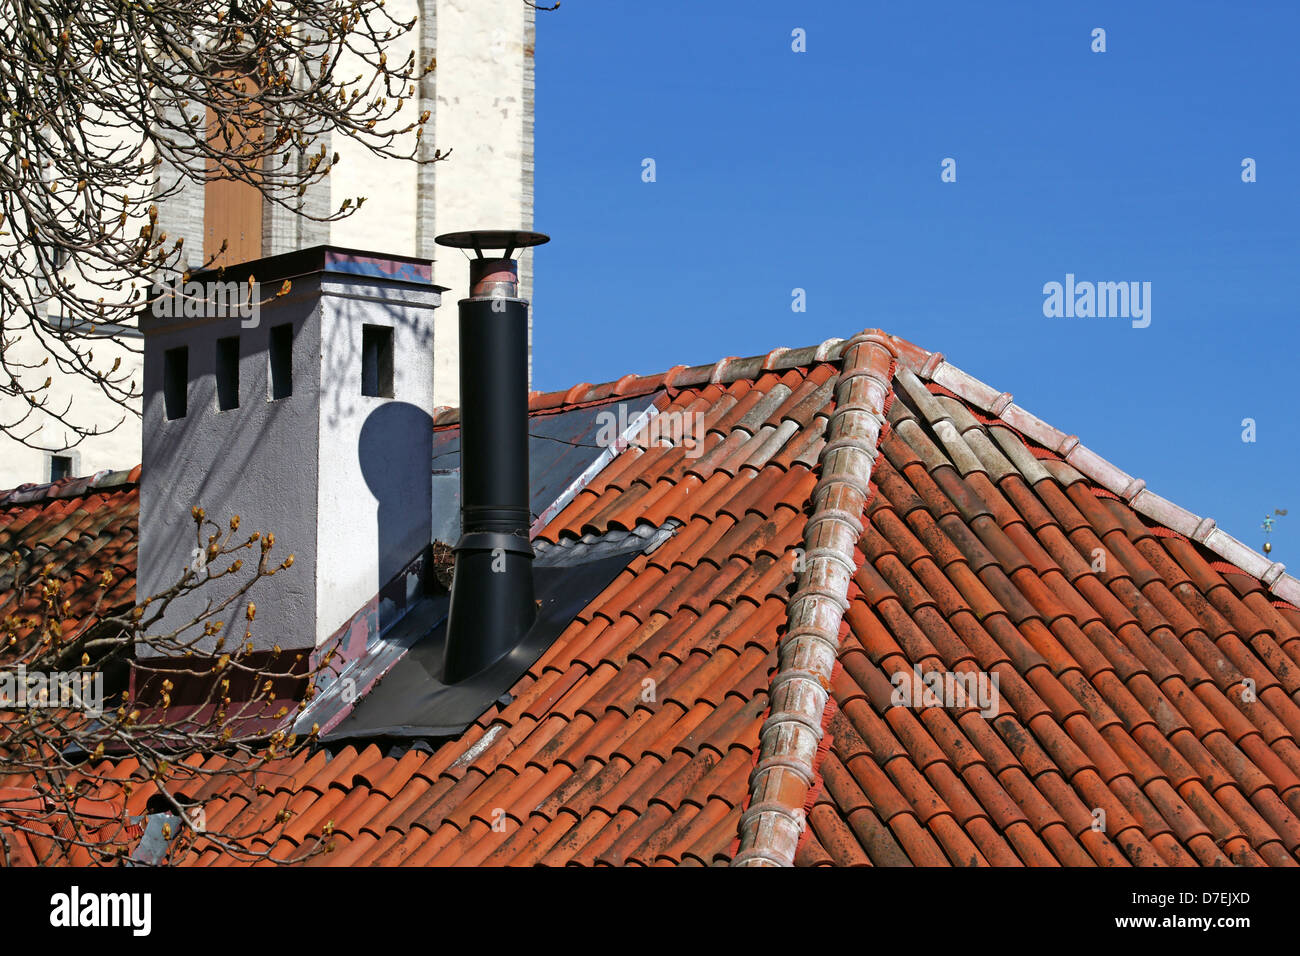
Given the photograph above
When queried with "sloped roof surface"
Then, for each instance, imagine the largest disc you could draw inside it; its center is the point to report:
(1122, 651)
(858, 511)
(80, 527)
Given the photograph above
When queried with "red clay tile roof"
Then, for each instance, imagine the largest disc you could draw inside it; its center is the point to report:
(712, 706)
(80, 526)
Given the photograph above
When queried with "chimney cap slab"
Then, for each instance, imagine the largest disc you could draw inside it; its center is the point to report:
(480, 239)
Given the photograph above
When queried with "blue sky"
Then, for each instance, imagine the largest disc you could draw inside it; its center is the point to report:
(820, 170)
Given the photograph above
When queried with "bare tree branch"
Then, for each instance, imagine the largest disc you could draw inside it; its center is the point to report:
(97, 97)
(74, 804)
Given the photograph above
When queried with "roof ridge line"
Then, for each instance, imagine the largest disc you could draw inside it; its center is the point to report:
(932, 366)
(787, 768)
(724, 371)
(103, 480)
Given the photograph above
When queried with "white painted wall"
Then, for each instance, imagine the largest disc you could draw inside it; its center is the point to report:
(118, 449)
(374, 500)
(485, 116)
(84, 402)
(386, 222)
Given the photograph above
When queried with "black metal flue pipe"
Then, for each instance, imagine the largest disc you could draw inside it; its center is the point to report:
(492, 603)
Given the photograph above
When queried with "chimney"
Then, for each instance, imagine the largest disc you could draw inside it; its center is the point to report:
(492, 604)
(309, 415)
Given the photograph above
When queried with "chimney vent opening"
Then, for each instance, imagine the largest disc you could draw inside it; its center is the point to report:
(176, 381)
(377, 361)
(60, 467)
(280, 357)
(228, 373)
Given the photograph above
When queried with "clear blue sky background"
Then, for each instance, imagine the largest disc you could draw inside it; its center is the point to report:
(821, 170)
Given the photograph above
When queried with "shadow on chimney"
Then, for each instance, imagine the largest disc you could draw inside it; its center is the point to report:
(402, 534)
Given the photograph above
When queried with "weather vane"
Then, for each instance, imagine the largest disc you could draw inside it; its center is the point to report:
(1269, 521)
